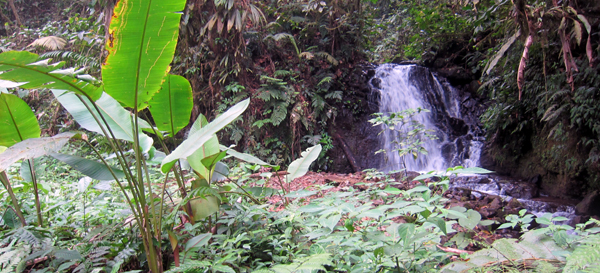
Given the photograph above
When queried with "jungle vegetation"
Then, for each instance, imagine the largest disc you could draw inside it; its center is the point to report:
(165, 136)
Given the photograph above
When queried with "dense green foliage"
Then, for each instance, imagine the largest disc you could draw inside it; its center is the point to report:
(129, 195)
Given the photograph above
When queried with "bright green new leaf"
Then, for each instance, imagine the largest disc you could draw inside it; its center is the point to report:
(210, 161)
(17, 121)
(209, 148)
(140, 48)
(299, 167)
(171, 107)
(196, 141)
(120, 120)
(91, 168)
(23, 66)
(32, 148)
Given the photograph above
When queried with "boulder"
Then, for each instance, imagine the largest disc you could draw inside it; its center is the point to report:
(521, 190)
(590, 205)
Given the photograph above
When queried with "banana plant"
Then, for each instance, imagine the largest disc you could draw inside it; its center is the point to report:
(134, 75)
(17, 123)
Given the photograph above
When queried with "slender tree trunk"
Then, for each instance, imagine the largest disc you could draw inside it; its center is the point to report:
(11, 3)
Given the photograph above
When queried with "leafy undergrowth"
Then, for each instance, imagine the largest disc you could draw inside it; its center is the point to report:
(321, 222)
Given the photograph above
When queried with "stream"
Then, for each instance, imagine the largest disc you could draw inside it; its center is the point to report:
(460, 138)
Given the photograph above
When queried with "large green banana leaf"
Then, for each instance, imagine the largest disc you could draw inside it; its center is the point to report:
(17, 121)
(209, 148)
(33, 148)
(196, 141)
(140, 48)
(119, 120)
(91, 168)
(23, 66)
(299, 167)
(171, 107)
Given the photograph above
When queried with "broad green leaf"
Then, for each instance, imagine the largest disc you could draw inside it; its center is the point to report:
(198, 241)
(32, 148)
(300, 194)
(171, 107)
(11, 219)
(209, 148)
(26, 171)
(91, 168)
(223, 268)
(472, 170)
(143, 36)
(210, 161)
(22, 66)
(244, 157)
(69, 255)
(532, 246)
(439, 222)
(204, 207)
(196, 141)
(219, 172)
(119, 120)
(17, 121)
(331, 221)
(84, 183)
(406, 231)
(425, 176)
(392, 190)
(2, 149)
(299, 167)
(472, 219)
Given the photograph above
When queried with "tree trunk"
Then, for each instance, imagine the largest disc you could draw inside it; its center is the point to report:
(11, 3)
(348, 153)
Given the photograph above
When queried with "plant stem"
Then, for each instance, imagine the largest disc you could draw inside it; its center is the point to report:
(13, 198)
(38, 208)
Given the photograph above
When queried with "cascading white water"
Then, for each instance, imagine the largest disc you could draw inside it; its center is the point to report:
(404, 87)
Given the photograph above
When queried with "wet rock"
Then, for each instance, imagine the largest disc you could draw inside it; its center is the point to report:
(376, 82)
(521, 190)
(484, 180)
(590, 205)
(456, 75)
(458, 126)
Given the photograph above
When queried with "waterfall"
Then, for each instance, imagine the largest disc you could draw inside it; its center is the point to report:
(401, 87)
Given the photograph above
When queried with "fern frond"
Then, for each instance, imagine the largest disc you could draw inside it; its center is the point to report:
(328, 57)
(27, 237)
(585, 257)
(99, 252)
(551, 114)
(76, 58)
(13, 258)
(190, 266)
(281, 36)
(325, 80)
(282, 73)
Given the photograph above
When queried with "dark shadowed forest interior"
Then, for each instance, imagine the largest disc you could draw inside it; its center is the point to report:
(299, 136)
